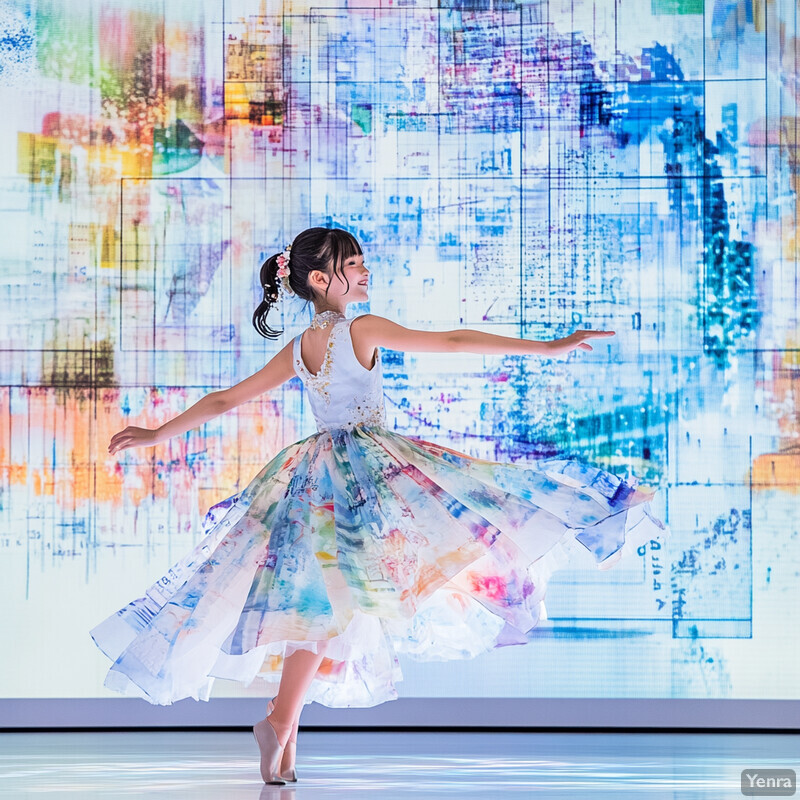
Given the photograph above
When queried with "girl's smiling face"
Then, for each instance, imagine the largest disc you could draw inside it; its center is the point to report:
(358, 277)
(339, 295)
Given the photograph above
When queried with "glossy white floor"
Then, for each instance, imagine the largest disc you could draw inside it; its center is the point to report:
(385, 765)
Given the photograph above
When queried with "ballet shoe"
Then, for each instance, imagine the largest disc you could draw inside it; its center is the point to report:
(288, 771)
(271, 751)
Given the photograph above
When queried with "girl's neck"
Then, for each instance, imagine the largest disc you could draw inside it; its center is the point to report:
(322, 319)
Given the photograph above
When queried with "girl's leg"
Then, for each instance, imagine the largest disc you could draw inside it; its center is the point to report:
(298, 672)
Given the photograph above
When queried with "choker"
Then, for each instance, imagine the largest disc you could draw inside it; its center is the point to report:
(325, 318)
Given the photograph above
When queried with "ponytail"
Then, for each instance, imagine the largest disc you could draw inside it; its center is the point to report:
(270, 286)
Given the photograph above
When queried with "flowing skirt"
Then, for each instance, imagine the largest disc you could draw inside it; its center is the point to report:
(378, 543)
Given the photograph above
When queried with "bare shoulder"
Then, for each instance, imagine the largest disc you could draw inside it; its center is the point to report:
(370, 330)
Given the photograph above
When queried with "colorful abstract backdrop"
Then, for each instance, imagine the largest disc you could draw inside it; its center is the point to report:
(523, 167)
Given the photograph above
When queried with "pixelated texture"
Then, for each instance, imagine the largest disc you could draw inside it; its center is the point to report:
(525, 168)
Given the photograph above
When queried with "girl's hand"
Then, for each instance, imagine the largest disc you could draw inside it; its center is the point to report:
(578, 339)
(133, 437)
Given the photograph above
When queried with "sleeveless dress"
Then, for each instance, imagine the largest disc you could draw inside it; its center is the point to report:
(379, 543)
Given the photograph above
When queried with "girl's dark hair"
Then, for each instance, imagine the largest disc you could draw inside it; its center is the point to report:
(325, 249)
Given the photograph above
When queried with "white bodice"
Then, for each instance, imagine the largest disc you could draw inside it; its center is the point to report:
(343, 393)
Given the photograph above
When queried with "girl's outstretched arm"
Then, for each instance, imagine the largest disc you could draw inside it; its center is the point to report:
(278, 370)
(377, 331)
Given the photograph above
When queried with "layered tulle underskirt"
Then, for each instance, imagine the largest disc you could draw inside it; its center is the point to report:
(378, 544)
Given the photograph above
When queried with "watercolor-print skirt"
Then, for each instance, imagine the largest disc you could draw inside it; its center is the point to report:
(380, 544)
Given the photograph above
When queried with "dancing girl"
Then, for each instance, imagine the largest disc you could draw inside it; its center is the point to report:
(357, 544)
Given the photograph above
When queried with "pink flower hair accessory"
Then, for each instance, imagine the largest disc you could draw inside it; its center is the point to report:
(283, 269)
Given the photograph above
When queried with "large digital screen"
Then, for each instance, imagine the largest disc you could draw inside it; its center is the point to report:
(520, 167)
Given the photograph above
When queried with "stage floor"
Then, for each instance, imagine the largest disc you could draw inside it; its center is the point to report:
(387, 765)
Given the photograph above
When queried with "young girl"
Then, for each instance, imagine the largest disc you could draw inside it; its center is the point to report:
(357, 543)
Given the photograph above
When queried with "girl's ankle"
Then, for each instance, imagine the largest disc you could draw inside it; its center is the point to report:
(282, 731)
